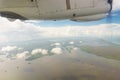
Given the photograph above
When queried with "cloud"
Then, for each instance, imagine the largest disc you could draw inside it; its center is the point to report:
(81, 41)
(75, 48)
(21, 31)
(56, 51)
(72, 42)
(56, 44)
(116, 5)
(22, 55)
(39, 51)
(10, 48)
(17, 31)
(44, 52)
(76, 31)
(77, 66)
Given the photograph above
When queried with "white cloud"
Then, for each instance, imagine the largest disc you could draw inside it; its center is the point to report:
(72, 42)
(81, 41)
(57, 51)
(36, 51)
(44, 51)
(116, 5)
(21, 31)
(39, 51)
(56, 44)
(75, 31)
(22, 55)
(17, 31)
(75, 48)
(9, 48)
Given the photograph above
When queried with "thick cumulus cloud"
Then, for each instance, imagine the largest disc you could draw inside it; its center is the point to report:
(9, 48)
(16, 31)
(21, 31)
(39, 51)
(13, 52)
(57, 50)
(22, 55)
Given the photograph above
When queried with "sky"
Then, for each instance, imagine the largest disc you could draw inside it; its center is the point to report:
(30, 30)
(22, 32)
(29, 33)
(115, 19)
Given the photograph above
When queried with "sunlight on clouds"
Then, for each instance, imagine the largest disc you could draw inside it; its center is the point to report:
(75, 48)
(72, 42)
(36, 51)
(21, 31)
(22, 55)
(76, 31)
(57, 50)
(44, 52)
(17, 31)
(39, 51)
(56, 44)
(9, 48)
(116, 5)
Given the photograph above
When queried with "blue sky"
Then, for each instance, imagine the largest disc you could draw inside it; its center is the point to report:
(62, 23)
(22, 31)
(115, 19)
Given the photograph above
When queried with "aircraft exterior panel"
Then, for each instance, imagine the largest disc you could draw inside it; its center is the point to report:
(16, 3)
(25, 8)
(68, 9)
(54, 9)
